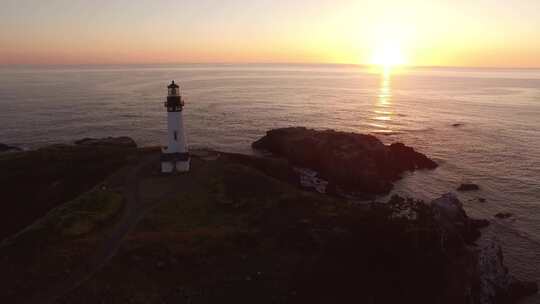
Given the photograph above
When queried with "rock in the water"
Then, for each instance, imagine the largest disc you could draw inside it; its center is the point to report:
(457, 125)
(479, 223)
(468, 187)
(8, 148)
(122, 141)
(356, 162)
(503, 215)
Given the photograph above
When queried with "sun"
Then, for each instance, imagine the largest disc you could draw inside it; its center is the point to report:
(388, 54)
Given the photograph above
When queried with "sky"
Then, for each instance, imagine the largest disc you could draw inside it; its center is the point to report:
(484, 33)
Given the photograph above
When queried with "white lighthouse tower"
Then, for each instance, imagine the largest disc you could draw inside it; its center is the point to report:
(175, 157)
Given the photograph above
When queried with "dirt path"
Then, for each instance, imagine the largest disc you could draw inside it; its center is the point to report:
(134, 211)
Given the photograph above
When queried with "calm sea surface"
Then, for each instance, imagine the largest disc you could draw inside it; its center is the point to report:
(229, 106)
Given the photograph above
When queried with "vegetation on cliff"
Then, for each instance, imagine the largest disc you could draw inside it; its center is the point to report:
(238, 228)
(34, 182)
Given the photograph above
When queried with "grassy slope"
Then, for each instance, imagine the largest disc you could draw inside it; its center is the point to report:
(34, 182)
(234, 234)
(227, 232)
(61, 241)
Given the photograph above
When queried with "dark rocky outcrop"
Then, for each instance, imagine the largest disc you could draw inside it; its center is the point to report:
(503, 215)
(481, 276)
(481, 267)
(434, 246)
(8, 148)
(122, 141)
(468, 187)
(355, 162)
(479, 223)
(497, 285)
(456, 226)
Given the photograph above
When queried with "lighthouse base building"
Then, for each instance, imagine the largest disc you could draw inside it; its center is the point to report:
(174, 164)
(175, 157)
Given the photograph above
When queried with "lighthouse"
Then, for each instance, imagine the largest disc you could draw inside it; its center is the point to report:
(175, 156)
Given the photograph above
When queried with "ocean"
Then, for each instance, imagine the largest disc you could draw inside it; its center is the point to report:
(496, 142)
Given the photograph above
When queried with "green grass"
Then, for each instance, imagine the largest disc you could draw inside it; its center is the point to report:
(221, 195)
(229, 200)
(77, 218)
(86, 213)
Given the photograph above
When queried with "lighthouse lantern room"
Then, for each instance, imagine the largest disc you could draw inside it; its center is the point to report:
(175, 156)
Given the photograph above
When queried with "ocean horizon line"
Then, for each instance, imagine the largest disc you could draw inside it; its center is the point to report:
(306, 64)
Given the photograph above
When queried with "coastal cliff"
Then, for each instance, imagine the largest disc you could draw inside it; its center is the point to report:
(237, 228)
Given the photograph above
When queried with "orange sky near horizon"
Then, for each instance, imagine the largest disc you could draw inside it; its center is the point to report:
(418, 33)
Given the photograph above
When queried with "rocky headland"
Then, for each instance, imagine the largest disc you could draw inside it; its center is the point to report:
(355, 162)
(99, 223)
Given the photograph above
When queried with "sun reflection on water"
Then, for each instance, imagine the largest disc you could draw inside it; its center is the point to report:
(383, 106)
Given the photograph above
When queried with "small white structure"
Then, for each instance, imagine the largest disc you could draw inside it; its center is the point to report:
(175, 157)
(311, 179)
